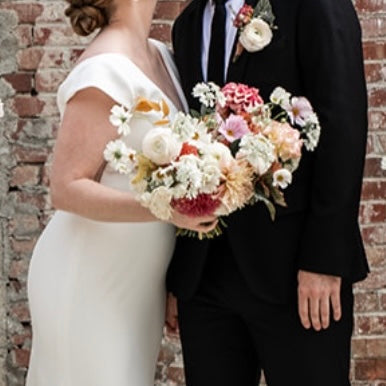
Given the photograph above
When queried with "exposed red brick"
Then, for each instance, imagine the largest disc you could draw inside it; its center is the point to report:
(374, 190)
(27, 106)
(374, 50)
(27, 12)
(29, 58)
(369, 5)
(20, 311)
(25, 175)
(370, 369)
(30, 154)
(21, 357)
(20, 82)
(161, 32)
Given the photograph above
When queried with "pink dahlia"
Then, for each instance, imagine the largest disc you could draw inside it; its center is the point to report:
(202, 205)
(234, 128)
(240, 98)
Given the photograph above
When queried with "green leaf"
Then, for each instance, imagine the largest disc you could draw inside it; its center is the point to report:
(234, 147)
(264, 10)
(278, 196)
(194, 113)
(271, 207)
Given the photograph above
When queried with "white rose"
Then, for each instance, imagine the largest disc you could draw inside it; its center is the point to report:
(220, 152)
(158, 202)
(282, 178)
(161, 146)
(256, 35)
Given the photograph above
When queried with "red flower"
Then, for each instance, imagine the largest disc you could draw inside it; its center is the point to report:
(188, 149)
(244, 16)
(202, 205)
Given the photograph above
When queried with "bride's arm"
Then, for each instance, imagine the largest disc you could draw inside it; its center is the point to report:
(78, 156)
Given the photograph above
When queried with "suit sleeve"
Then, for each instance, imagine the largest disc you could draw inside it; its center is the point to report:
(331, 64)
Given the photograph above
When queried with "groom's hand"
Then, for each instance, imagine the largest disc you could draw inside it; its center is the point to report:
(171, 314)
(316, 292)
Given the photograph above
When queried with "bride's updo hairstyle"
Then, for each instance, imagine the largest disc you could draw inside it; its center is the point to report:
(88, 15)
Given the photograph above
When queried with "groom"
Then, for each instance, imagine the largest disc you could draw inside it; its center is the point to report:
(278, 295)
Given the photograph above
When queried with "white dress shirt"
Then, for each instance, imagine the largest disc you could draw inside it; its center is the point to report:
(232, 7)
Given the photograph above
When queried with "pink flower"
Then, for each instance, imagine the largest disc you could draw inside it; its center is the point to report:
(234, 128)
(286, 140)
(241, 98)
(202, 205)
(299, 110)
(244, 16)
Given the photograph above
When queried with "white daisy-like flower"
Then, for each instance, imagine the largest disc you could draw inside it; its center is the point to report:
(119, 156)
(258, 151)
(120, 118)
(312, 132)
(189, 174)
(383, 163)
(280, 96)
(163, 176)
(209, 94)
(184, 126)
(282, 178)
(1, 109)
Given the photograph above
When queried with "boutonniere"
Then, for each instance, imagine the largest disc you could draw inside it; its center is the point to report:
(255, 27)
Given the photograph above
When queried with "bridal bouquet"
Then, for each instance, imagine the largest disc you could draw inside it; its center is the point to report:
(238, 150)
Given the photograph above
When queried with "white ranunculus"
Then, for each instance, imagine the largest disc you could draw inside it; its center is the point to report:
(158, 202)
(282, 178)
(258, 151)
(120, 118)
(1, 109)
(220, 152)
(161, 146)
(256, 35)
(211, 175)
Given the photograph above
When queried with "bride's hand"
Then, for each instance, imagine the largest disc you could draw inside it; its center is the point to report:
(202, 224)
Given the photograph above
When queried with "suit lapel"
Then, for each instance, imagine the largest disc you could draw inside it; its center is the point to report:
(190, 68)
(236, 70)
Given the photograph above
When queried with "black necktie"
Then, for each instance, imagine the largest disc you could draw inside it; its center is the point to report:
(217, 44)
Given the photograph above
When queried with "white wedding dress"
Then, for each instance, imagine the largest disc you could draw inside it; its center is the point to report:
(97, 289)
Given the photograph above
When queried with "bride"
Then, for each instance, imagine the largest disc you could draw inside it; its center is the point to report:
(96, 281)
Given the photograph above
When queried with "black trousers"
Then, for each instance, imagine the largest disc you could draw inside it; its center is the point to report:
(228, 334)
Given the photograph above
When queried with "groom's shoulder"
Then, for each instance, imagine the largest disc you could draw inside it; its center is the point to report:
(189, 11)
(327, 6)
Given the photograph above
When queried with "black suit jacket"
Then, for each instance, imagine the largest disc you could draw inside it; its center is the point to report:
(316, 52)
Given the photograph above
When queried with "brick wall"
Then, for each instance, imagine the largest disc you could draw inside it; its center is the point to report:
(37, 49)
